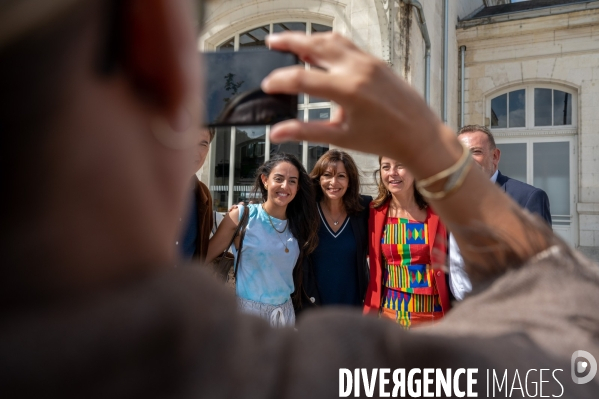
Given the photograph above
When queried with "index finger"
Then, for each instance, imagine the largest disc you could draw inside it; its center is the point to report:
(318, 49)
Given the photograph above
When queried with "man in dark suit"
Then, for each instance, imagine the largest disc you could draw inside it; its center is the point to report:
(194, 242)
(484, 151)
(528, 197)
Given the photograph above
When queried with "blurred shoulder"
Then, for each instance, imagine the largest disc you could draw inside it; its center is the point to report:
(203, 192)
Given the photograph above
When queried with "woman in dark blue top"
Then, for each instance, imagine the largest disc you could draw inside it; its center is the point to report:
(336, 273)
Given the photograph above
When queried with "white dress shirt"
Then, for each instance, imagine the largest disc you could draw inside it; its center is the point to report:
(459, 283)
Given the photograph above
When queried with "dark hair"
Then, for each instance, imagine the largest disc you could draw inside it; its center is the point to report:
(479, 128)
(351, 199)
(384, 195)
(34, 87)
(301, 212)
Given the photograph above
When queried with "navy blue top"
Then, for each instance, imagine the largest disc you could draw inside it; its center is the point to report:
(190, 234)
(335, 265)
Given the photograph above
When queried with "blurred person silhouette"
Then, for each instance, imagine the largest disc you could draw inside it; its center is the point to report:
(336, 273)
(99, 107)
(200, 219)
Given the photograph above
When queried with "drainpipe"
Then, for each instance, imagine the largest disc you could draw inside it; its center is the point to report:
(391, 33)
(445, 59)
(427, 42)
(462, 84)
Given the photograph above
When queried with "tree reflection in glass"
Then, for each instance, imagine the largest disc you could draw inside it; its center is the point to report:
(562, 108)
(499, 112)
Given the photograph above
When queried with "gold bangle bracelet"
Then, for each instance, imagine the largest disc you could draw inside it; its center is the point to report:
(456, 174)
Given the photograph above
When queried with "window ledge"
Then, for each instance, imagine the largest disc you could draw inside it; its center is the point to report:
(568, 131)
(588, 208)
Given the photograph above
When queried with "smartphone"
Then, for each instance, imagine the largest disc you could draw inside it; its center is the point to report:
(233, 94)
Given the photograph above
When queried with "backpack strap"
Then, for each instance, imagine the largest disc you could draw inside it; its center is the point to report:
(241, 228)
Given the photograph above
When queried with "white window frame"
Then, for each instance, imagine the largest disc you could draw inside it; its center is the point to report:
(530, 128)
(531, 134)
(568, 232)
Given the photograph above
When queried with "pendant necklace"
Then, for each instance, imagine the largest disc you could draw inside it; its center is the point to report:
(335, 222)
(280, 232)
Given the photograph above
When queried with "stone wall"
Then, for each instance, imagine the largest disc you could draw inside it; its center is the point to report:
(555, 49)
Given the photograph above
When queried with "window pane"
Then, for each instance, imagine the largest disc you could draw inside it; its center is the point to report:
(320, 114)
(229, 45)
(220, 169)
(517, 109)
(249, 155)
(289, 26)
(562, 108)
(291, 147)
(254, 39)
(499, 112)
(316, 150)
(552, 174)
(294, 147)
(513, 160)
(542, 107)
(320, 28)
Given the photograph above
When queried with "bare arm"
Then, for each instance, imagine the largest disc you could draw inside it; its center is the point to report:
(221, 239)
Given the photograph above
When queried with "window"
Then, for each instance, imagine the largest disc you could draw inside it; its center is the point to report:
(546, 163)
(552, 107)
(535, 130)
(515, 103)
(532, 107)
(237, 153)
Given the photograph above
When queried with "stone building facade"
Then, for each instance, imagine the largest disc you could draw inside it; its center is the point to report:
(522, 62)
(545, 62)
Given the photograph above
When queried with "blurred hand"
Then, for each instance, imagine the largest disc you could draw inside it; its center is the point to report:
(379, 112)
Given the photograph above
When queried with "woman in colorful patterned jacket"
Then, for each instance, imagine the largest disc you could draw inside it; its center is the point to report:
(407, 249)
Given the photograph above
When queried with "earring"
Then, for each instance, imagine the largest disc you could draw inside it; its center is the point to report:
(266, 186)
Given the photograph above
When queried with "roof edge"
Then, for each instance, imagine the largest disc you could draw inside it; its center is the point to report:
(527, 14)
